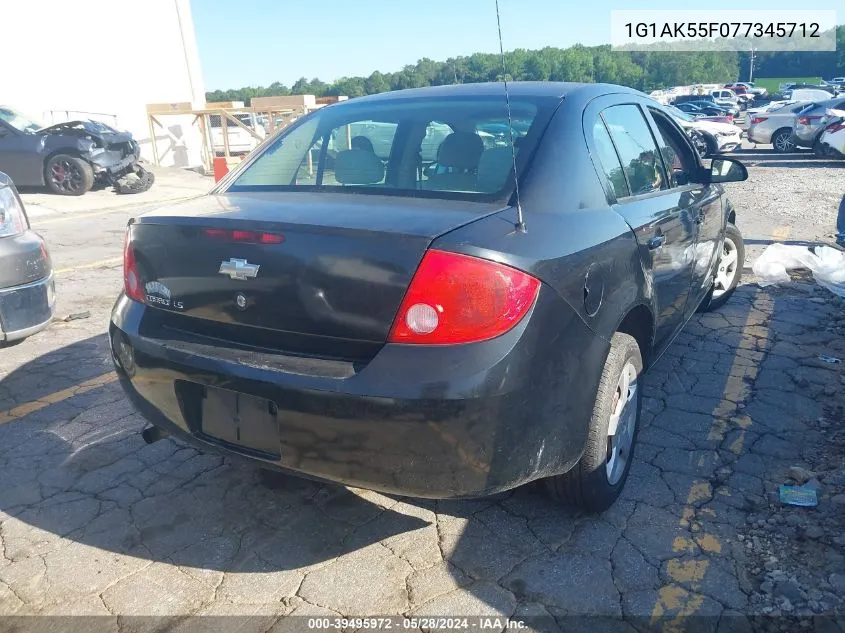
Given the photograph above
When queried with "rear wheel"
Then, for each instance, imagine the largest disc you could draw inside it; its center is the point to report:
(596, 481)
(68, 175)
(782, 141)
(729, 272)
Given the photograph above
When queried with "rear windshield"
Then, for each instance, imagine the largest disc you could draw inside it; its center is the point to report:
(457, 147)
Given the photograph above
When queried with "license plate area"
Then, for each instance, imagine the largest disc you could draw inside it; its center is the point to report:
(241, 422)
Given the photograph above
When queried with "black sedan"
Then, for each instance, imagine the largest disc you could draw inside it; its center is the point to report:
(27, 290)
(431, 328)
(702, 110)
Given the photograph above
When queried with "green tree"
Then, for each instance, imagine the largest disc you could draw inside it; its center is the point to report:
(643, 70)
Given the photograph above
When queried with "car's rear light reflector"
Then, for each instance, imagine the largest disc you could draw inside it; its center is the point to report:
(251, 237)
(131, 277)
(457, 299)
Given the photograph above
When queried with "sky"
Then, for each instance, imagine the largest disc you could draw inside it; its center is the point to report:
(257, 42)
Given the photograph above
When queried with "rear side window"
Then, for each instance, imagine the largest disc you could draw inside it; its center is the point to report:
(637, 149)
(609, 159)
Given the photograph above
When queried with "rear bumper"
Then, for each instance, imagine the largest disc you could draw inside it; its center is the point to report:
(436, 422)
(805, 138)
(26, 309)
(756, 137)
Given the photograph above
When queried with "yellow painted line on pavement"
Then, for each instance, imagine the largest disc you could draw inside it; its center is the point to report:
(67, 217)
(58, 396)
(678, 599)
(103, 262)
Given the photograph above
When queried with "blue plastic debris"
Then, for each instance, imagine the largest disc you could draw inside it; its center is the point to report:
(804, 496)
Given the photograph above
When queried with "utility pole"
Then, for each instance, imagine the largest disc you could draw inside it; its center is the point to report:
(751, 66)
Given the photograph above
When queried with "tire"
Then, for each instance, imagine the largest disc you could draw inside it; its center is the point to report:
(701, 143)
(712, 146)
(68, 175)
(782, 141)
(137, 182)
(596, 481)
(723, 288)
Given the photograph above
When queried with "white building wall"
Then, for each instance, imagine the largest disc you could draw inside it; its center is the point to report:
(110, 57)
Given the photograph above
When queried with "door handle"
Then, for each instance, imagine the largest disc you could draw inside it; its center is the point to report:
(656, 242)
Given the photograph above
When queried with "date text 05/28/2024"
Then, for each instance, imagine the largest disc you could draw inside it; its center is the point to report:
(427, 623)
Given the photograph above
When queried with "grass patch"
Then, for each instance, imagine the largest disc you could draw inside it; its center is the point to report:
(772, 84)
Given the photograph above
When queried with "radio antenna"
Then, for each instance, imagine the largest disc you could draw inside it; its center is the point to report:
(520, 224)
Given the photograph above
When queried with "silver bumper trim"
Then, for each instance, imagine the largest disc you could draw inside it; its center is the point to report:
(46, 282)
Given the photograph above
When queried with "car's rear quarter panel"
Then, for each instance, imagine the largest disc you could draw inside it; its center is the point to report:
(570, 233)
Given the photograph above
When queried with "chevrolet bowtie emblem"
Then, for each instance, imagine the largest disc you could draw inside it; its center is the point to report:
(239, 269)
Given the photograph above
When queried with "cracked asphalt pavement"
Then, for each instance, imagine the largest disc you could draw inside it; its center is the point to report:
(93, 521)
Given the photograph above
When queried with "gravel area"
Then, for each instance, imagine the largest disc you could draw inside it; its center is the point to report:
(795, 190)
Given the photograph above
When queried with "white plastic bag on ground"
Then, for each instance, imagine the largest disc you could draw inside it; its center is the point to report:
(827, 265)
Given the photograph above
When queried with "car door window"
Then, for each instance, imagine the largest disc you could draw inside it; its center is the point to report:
(637, 149)
(678, 159)
(609, 159)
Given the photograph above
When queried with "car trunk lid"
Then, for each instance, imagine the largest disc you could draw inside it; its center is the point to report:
(310, 273)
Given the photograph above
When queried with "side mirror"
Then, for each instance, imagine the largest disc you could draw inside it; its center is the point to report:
(726, 170)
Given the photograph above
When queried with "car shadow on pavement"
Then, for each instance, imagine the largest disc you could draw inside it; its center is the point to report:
(722, 414)
(73, 465)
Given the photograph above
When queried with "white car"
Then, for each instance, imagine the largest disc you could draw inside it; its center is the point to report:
(834, 135)
(757, 92)
(712, 137)
(240, 141)
(725, 97)
(661, 96)
(807, 94)
(772, 105)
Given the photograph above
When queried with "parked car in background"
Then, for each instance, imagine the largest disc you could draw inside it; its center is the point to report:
(742, 92)
(808, 124)
(713, 113)
(768, 107)
(775, 127)
(757, 92)
(69, 158)
(727, 98)
(707, 101)
(27, 288)
(661, 96)
(808, 93)
(394, 329)
(832, 138)
(240, 140)
(709, 137)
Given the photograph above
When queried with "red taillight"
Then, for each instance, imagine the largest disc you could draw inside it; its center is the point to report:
(756, 120)
(836, 127)
(131, 278)
(807, 120)
(251, 237)
(456, 299)
(730, 118)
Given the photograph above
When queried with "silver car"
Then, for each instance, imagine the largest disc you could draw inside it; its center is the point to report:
(775, 126)
(808, 123)
(27, 290)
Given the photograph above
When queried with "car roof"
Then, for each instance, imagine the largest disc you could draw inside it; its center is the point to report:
(550, 89)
